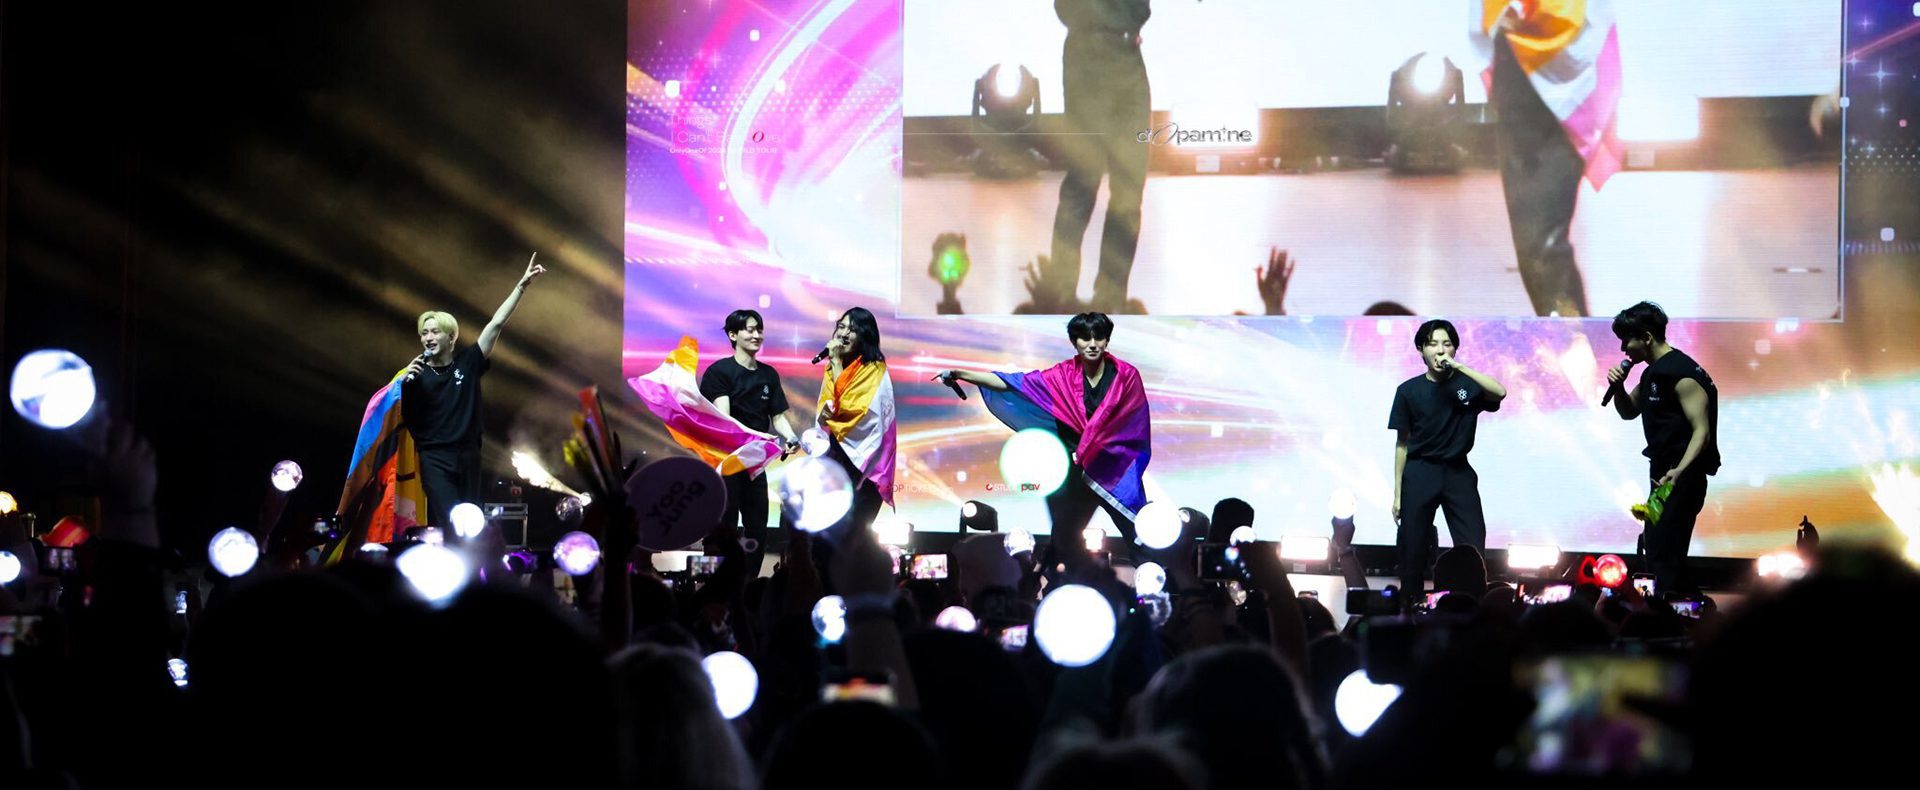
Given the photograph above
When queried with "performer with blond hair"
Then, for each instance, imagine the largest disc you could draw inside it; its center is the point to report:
(440, 401)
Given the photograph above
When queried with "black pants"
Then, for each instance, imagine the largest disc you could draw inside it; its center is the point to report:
(747, 509)
(451, 475)
(1426, 487)
(1669, 540)
(1540, 171)
(1108, 106)
(1071, 507)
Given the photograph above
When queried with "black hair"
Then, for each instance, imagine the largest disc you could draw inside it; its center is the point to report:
(1425, 333)
(1641, 318)
(737, 320)
(863, 325)
(1090, 326)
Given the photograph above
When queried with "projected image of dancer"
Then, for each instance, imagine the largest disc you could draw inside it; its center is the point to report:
(1098, 407)
(1434, 417)
(1108, 106)
(856, 410)
(440, 401)
(1679, 410)
(1556, 89)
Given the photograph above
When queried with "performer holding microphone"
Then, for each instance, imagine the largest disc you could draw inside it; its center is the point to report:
(440, 401)
(1098, 407)
(1679, 407)
(1434, 417)
(856, 410)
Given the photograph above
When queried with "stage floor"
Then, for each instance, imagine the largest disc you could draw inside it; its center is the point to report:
(1757, 244)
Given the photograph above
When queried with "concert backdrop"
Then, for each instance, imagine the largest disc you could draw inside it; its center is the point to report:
(769, 158)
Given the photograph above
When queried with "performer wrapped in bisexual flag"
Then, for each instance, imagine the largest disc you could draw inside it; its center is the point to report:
(1098, 407)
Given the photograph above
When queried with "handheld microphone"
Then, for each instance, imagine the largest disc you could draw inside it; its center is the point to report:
(1625, 365)
(822, 355)
(422, 359)
(952, 384)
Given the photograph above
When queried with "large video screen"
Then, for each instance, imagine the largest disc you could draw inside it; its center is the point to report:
(1217, 132)
(800, 158)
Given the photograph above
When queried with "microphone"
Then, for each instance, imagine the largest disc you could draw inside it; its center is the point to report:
(1625, 365)
(422, 359)
(822, 355)
(952, 384)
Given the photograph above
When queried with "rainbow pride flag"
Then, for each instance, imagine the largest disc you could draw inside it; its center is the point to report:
(673, 394)
(1570, 51)
(383, 495)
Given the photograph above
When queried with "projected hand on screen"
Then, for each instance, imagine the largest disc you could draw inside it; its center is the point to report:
(1045, 294)
(1271, 280)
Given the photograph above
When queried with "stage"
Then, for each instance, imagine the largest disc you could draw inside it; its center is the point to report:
(1748, 244)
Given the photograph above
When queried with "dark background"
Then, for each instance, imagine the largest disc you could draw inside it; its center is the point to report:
(234, 211)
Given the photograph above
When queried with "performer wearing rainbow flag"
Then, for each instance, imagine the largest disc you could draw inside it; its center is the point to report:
(1098, 407)
(1555, 85)
(856, 410)
(418, 450)
(383, 495)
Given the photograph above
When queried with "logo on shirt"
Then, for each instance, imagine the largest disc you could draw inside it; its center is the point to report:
(1653, 390)
(1461, 394)
(458, 377)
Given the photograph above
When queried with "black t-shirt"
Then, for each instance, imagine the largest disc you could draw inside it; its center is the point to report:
(1091, 400)
(441, 406)
(754, 395)
(1439, 416)
(1665, 422)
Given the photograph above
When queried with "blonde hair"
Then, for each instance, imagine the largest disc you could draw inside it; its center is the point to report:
(448, 325)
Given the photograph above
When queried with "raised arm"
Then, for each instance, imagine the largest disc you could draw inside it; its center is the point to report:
(512, 302)
(1626, 402)
(1495, 392)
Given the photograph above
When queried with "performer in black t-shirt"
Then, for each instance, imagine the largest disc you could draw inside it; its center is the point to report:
(440, 402)
(748, 390)
(1434, 417)
(1679, 410)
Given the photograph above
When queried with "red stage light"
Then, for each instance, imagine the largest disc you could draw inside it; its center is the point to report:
(1610, 571)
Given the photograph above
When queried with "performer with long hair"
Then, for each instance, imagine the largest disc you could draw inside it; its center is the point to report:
(1098, 407)
(856, 411)
(1679, 410)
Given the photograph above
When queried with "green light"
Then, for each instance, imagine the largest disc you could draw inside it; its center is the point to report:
(952, 265)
